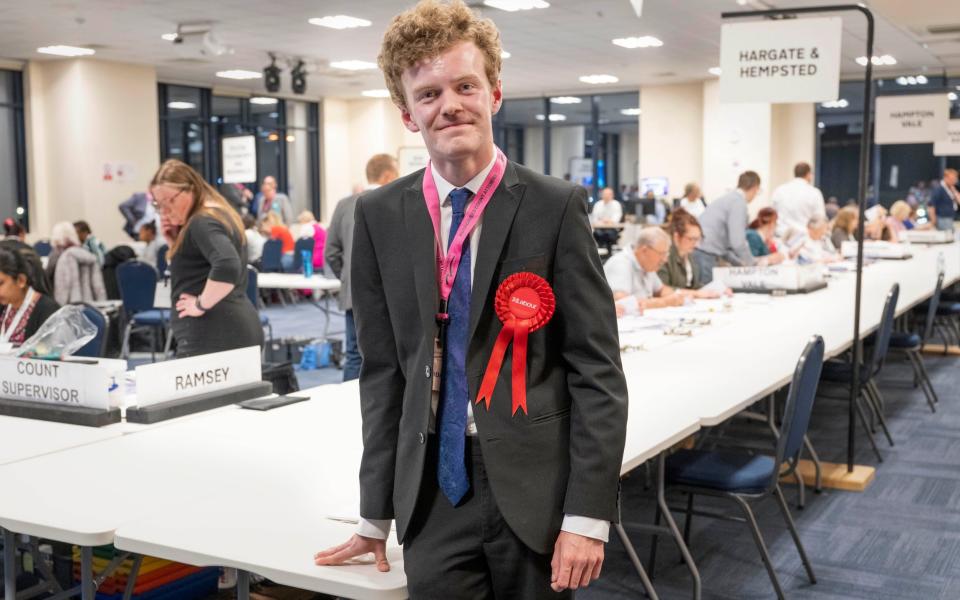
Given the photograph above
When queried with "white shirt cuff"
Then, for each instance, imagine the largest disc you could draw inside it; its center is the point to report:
(378, 529)
(597, 529)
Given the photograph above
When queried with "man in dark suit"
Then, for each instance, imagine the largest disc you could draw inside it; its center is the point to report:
(488, 502)
(945, 200)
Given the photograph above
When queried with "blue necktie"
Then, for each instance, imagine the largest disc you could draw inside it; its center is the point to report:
(452, 417)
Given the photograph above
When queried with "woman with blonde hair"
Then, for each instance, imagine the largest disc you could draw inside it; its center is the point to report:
(207, 264)
(845, 225)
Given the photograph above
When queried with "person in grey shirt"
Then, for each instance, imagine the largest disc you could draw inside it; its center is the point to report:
(381, 170)
(270, 200)
(724, 225)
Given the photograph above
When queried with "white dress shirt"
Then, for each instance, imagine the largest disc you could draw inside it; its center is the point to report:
(606, 211)
(380, 528)
(796, 202)
(695, 207)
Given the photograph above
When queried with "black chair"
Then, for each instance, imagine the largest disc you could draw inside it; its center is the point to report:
(95, 347)
(298, 248)
(743, 477)
(839, 371)
(43, 248)
(911, 345)
(272, 253)
(162, 265)
(138, 284)
(254, 295)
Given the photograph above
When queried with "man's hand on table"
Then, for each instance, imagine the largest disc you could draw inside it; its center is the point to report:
(357, 545)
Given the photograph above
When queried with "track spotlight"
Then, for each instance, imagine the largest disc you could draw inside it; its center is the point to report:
(298, 78)
(271, 75)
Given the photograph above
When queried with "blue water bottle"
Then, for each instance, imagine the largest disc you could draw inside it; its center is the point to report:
(307, 262)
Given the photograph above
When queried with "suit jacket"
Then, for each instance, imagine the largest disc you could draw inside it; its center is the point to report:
(339, 246)
(674, 272)
(564, 456)
(942, 202)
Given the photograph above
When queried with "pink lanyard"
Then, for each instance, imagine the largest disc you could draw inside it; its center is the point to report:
(449, 261)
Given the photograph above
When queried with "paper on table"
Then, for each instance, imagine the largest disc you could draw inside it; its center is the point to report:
(630, 304)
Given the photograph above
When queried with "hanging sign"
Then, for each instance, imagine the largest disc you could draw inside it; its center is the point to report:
(780, 61)
(913, 119)
(950, 146)
(239, 158)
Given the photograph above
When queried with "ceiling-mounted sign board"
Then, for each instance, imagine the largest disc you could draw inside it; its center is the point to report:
(796, 60)
(912, 119)
(239, 158)
(950, 146)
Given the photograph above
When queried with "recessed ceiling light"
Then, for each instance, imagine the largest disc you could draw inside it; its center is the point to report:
(598, 79)
(553, 117)
(169, 37)
(263, 100)
(714, 71)
(841, 103)
(376, 93)
(921, 79)
(353, 65)
(515, 5)
(820, 125)
(66, 51)
(239, 74)
(180, 105)
(630, 112)
(912, 80)
(505, 54)
(339, 22)
(886, 59)
(644, 41)
(742, 2)
(952, 96)
(566, 100)
(877, 61)
(902, 80)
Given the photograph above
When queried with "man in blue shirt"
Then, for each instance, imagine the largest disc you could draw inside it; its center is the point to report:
(945, 200)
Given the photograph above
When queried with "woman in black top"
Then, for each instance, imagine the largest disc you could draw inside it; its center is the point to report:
(25, 298)
(207, 266)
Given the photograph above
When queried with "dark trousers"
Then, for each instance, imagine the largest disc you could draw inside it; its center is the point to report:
(606, 238)
(469, 552)
(351, 353)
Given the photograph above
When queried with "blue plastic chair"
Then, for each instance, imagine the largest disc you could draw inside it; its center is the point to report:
(43, 248)
(95, 347)
(272, 253)
(253, 295)
(162, 265)
(298, 248)
(743, 477)
(138, 283)
(839, 371)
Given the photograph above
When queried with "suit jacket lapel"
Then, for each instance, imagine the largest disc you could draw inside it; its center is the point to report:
(497, 221)
(420, 239)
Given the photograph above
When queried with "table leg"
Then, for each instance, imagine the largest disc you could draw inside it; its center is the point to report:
(9, 565)
(243, 585)
(672, 525)
(632, 553)
(87, 591)
(132, 577)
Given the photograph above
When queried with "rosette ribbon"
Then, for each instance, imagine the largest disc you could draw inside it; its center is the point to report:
(524, 302)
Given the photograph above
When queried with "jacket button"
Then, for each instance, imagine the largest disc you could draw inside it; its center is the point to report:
(420, 437)
(426, 371)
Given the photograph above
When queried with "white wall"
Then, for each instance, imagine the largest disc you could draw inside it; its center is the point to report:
(671, 133)
(793, 139)
(533, 148)
(351, 132)
(565, 143)
(736, 138)
(80, 114)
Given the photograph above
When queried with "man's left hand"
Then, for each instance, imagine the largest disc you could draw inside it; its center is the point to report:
(576, 561)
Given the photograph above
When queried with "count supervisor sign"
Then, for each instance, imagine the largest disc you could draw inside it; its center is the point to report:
(780, 61)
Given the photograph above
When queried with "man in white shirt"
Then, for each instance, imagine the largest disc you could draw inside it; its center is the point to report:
(606, 214)
(816, 245)
(797, 201)
(632, 274)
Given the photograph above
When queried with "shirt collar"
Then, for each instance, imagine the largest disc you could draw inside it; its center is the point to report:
(444, 187)
(371, 186)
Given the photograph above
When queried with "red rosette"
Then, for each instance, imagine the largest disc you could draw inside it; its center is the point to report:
(524, 302)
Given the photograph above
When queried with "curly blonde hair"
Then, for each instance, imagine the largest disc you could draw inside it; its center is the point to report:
(429, 29)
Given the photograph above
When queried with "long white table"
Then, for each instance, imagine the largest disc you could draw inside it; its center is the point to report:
(318, 284)
(185, 487)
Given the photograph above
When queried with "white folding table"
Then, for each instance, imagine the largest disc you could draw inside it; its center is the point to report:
(325, 286)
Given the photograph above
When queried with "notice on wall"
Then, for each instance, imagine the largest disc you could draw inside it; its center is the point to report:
(239, 159)
(186, 377)
(411, 159)
(949, 146)
(914, 119)
(58, 383)
(781, 61)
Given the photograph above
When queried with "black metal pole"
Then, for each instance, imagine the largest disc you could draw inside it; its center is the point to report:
(862, 196)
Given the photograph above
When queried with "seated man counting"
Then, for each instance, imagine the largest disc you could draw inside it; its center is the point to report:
(632, 274)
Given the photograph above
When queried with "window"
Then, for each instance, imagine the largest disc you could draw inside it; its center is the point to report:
(586, 139)
(13, 163)
(193, 122)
